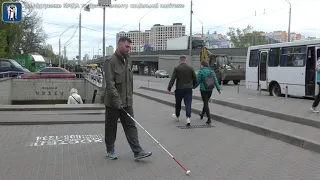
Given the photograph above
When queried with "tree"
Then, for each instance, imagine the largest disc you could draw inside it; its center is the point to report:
(8, 35)
(31, 36)
(245, 37)
(27, 35)
(311, 38)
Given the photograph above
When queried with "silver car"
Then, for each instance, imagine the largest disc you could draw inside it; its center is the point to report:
(161, 74)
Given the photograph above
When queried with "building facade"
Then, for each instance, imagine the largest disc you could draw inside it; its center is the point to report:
(109, 50)
(282, 36)
(134, 36)
(159, 34)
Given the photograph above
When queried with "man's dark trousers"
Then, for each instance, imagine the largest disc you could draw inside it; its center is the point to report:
(316, 100)
(186, 95)
(129, 126)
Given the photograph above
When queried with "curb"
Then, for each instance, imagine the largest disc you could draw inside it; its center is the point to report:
(49, 108)
(290, 139)
(21, 123)
(277, 115)
(47, 122)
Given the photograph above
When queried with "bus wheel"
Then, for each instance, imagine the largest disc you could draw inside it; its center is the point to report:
(275, 90)
(236, 82)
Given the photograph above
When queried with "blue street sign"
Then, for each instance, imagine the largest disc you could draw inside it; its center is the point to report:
(11, 12)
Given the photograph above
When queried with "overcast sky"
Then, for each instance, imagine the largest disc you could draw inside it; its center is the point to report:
(216, 15)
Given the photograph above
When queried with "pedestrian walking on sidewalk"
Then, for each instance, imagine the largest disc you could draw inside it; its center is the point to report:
(317, 99)
(118, 96)
(207, 80)
(186, 79)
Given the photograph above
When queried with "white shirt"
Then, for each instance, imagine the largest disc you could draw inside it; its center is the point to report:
(75, 99)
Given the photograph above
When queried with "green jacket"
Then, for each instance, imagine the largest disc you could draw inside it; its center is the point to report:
(202, 74)
(119, 81)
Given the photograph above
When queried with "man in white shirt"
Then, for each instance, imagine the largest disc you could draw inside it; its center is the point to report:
(74, 97)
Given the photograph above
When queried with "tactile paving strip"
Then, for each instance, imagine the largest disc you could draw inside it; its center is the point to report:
(195, 126)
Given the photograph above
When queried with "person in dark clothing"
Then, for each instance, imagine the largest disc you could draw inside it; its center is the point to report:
(79, 71)
(186, 80)
(316, 101)
(118, 97)
(206, 93)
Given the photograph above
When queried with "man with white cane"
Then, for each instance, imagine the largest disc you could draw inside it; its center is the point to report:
(119, 101)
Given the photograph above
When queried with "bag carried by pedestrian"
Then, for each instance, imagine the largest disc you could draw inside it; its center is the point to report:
(209, 81)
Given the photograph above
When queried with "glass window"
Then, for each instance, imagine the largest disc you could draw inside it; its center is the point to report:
(16, 64)
(254, 58)
(5, 64)
(274, 57)
(293, 57)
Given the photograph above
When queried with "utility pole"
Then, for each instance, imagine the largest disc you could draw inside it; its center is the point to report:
(79, 38)
(86, 8)
(202, 32)
(65, 56)
(104, 33)
(289, 28)
(139, 39)
(59, 52)
(289, 31)
(190, 38)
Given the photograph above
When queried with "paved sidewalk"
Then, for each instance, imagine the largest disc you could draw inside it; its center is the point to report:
(290, 109)
(299, 135)
(219, 153)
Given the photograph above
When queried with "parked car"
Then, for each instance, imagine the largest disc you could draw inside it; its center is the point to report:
(161, 74)
(10, 68)
(50, 72)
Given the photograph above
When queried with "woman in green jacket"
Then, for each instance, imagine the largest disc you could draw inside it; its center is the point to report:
(204, 72)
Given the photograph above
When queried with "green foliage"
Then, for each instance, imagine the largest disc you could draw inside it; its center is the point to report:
(245, 37)
(28, 35)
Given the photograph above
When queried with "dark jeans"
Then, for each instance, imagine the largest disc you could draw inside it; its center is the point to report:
(316, 100)
(111, 122)
(186, 95)
(206, 95)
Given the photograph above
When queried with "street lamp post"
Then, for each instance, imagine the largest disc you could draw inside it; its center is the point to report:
(190, 39)
(104, 33)
(60, 43)
(289, 33)
(139, 38)
(86, 8)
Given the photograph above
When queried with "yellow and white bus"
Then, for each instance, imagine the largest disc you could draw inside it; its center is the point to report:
(284, 68)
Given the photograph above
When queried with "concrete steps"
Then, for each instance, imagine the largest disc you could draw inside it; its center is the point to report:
(303, 136)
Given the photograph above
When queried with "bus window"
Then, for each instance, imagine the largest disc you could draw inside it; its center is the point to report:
(293, 57)
(274, 57)
(254, 58)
